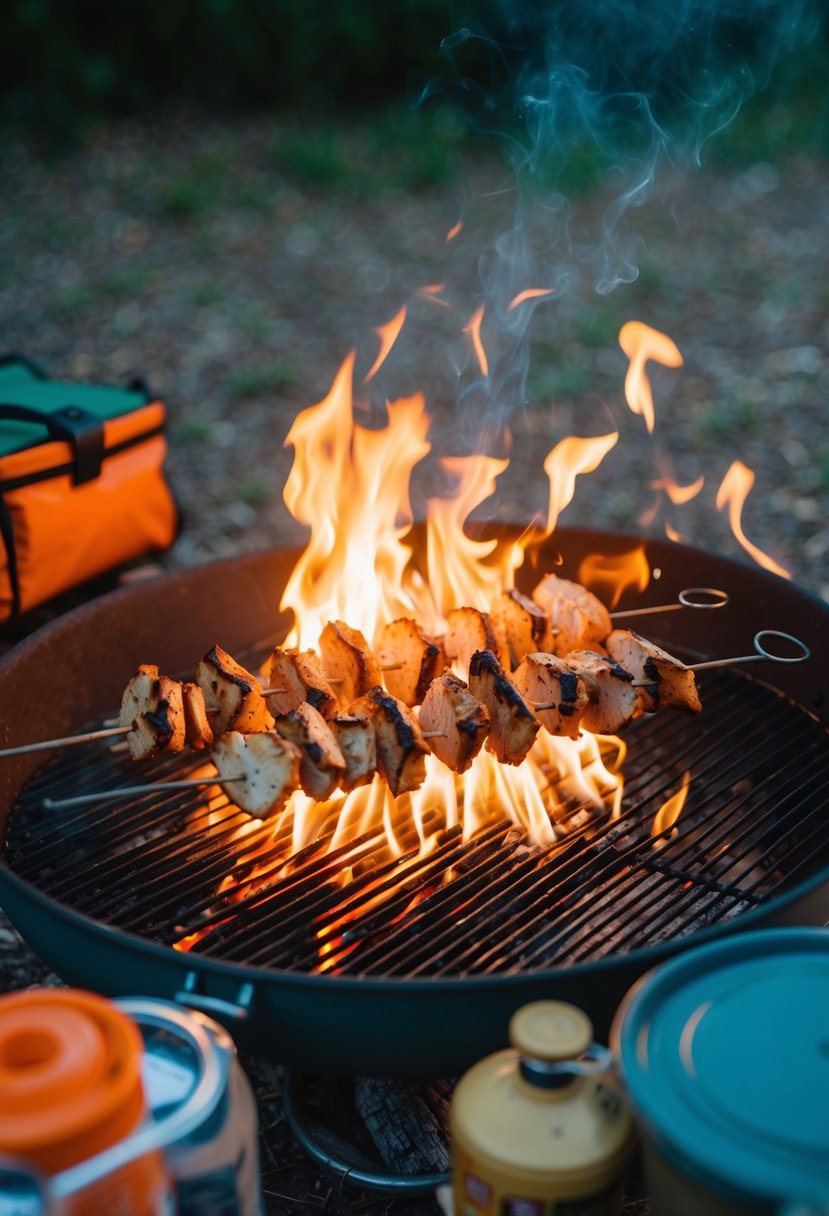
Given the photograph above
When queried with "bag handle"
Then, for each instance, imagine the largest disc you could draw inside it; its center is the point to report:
(72, 424)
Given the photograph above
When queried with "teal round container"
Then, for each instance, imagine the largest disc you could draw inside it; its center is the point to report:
(724, 1053)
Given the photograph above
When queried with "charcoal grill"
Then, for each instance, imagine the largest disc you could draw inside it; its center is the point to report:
(413, 966)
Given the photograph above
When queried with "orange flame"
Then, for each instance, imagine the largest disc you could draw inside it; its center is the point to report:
(453, 231)
(474, 331)
(563, 465)
(388, 335)
(641, 343)
(350, 485)
(432, 292)
(733, 491)
(610, 577)
(671, 809)
(532, 293)
(678, 495)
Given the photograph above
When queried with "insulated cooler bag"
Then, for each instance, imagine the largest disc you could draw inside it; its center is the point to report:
(82, 483)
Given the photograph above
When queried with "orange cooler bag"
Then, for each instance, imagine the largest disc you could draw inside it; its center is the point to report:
(82, 483)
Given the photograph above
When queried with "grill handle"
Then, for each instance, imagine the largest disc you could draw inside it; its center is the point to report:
(226, 1011)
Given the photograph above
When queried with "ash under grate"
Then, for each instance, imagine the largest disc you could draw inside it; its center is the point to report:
(754, 824)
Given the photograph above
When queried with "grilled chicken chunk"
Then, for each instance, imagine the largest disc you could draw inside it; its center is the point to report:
(300, 675)
(512, 724)
(354, 732)
(544, 679)
(267, 767)
(670, 683)
(461, 722)
(347, 661)
(234, 695)
(577, 620)
(610, 691)
(152, 706)
(401, 748)
(198, 732)
(468, 630)
(322, 766)
(521, 622)
(410, 660)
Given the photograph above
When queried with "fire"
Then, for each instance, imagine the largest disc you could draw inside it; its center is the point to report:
(610, 577)
(671, 809)
(641, 343)
(734, 490)
(474, 331)
(350, 485)
(532, 293)
(388, 335)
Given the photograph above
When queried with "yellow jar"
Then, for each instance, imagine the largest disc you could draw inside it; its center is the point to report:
(541, 1129)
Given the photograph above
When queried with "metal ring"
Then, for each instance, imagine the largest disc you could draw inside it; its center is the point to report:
(786, 637)
(719, 599)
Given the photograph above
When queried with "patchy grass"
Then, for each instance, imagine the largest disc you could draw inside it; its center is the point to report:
(261, 380)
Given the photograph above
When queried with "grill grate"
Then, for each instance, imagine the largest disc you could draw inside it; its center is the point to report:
(754, 823)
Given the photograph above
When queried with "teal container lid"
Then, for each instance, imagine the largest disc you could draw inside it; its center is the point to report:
(20, 385)
(725, 1056)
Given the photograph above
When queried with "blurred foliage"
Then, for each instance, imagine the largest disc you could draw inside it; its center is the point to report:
(65, 64)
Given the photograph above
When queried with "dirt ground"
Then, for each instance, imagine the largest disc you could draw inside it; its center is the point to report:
(196, 254)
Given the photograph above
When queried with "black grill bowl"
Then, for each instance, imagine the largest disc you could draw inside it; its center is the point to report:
(439, 1011)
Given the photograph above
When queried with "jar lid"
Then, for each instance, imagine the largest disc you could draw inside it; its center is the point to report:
(725, 1053)
(70, 1076)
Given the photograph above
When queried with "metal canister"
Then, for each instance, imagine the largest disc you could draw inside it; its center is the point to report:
(71, 1091)
(202, 1102)
(22, 1190)
(541, 1129)
(724, 1053)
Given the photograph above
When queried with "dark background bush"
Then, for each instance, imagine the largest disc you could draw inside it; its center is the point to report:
(66, 62)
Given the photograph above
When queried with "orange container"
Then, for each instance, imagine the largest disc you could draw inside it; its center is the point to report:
(70, 1087)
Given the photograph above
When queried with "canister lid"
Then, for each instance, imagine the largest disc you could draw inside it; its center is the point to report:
(725, 1053)
(70, 1076)
(550, 1030)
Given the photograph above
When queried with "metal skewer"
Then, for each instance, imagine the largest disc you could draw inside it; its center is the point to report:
(760, 652)
(128, 791)
(706, 598)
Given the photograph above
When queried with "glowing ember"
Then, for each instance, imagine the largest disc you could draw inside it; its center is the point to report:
(641, 343)
(731, 496)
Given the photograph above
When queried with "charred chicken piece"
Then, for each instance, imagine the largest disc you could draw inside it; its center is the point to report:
(198, 732)
(512, 724)
(268, 768)
(409, 659)
(354, 732)
(670, 683)
(577, 620)
(460, 722)
(610, 691)
(401, 748)
(347, 661)
(322, 766)
(544, 679)
(521, 622)
(152, 706)
(299, 673)
(232, 693)
(468, 630)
